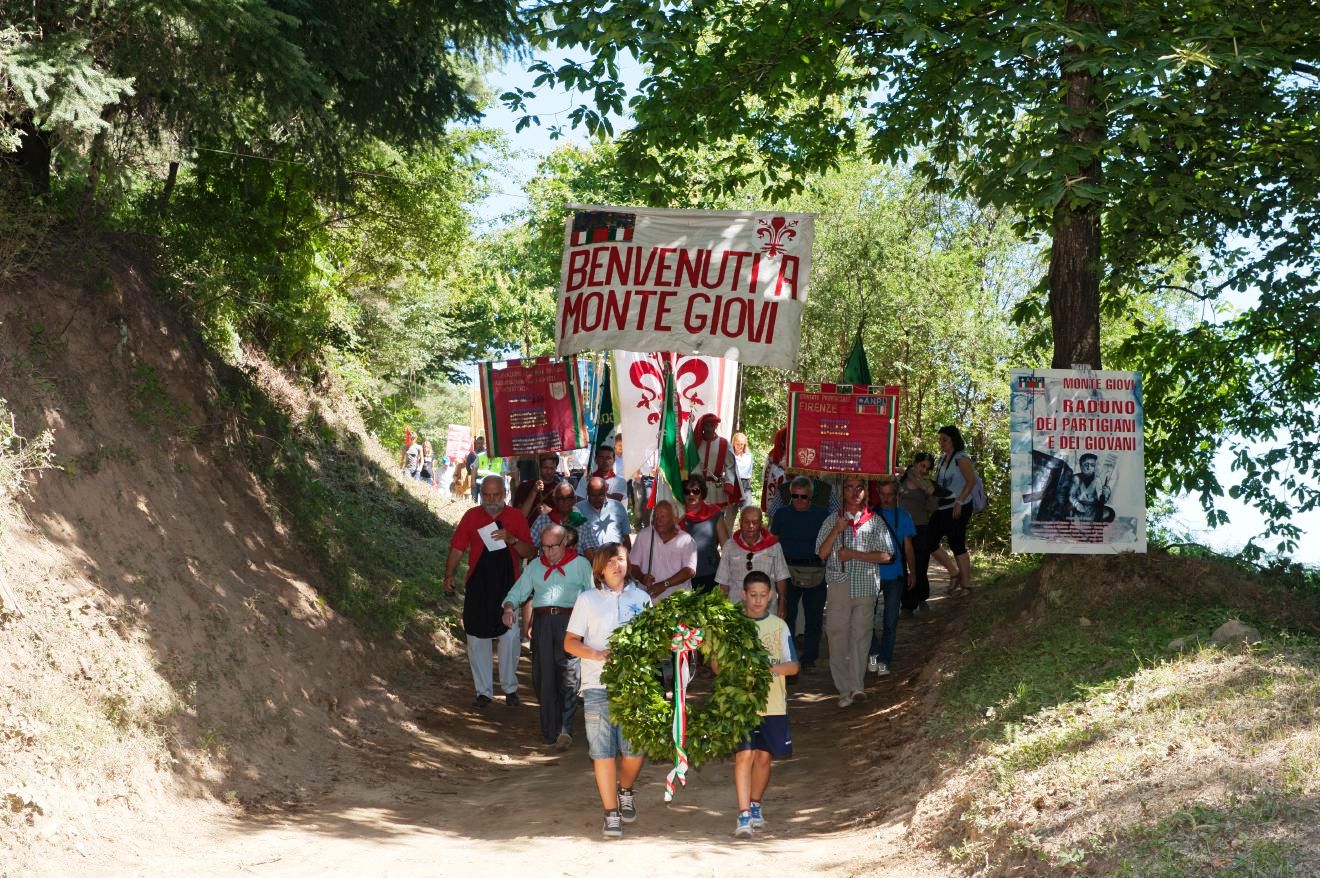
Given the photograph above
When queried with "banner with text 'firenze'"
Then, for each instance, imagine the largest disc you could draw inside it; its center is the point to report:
(1079, 480)
(728, 284)
(842, 428)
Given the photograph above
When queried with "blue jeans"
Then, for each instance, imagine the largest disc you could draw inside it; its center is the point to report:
(883, 646)
(813, 606)
(604, 738)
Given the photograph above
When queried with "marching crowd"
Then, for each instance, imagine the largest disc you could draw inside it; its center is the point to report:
(815, 561)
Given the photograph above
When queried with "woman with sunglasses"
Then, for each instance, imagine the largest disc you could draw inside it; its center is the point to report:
(704, 523)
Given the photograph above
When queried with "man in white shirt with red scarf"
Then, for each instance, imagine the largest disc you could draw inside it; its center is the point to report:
(715, 462)
(752, 547)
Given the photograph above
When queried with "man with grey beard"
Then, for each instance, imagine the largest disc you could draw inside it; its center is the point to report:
(497, 541)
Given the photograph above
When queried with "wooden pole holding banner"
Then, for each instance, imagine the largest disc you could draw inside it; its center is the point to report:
(737, 405)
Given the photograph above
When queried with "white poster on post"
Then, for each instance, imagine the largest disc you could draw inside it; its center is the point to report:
(704, 384)
(1079, 481)
(729, 284)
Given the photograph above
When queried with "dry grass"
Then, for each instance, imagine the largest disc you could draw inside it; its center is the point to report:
(1153, 763)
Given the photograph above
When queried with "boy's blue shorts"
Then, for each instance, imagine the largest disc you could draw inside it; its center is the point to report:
(772, 735)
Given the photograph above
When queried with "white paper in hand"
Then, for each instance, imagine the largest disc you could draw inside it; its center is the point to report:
(488, 537)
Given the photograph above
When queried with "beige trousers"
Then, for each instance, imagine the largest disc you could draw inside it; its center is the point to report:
(848, 625)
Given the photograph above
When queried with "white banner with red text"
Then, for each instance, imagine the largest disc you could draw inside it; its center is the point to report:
(728, 284)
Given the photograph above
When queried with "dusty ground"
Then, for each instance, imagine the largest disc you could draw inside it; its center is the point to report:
(458, 791)
(176, 699)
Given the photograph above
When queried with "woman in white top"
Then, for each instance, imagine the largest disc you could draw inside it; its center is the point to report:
(742, 464)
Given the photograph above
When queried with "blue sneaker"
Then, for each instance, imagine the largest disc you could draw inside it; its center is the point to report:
(758, 819)
(744, 829)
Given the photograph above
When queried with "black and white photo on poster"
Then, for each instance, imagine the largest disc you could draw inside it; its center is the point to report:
(1078, 461)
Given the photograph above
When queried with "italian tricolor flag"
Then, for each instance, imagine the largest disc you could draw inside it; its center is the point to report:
(674, 459)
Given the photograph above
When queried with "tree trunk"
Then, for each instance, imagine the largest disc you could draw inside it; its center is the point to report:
(33, 158)
(1075, 255)
(168, 190)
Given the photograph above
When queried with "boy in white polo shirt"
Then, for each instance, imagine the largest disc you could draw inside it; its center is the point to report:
(596, 615)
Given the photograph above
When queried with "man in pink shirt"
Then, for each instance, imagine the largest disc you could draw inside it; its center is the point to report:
(664, 557)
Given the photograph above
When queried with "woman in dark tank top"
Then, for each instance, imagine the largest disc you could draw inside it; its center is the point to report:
(706, 526)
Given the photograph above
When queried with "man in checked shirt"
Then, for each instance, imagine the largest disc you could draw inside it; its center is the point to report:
(853, 545)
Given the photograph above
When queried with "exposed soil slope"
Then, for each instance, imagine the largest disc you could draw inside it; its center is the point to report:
(179, 698)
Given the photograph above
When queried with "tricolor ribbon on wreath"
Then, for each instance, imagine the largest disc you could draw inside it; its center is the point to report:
(684, 642)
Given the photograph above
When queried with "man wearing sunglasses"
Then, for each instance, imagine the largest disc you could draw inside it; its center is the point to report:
(797, 525)
(563, 512)
(853, 544)
(750, 548)
(553, 580)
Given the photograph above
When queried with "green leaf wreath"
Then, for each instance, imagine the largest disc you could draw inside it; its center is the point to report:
(637, 697)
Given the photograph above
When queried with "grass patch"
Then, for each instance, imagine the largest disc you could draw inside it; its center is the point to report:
(381, 550)
(1041, 637)
(1229, 840)
(153, 407)
(1079, 743)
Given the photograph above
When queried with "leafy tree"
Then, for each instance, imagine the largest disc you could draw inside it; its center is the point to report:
(310, 77)
(1130, 136)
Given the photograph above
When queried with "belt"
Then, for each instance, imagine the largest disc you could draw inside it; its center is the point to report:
(551, 611)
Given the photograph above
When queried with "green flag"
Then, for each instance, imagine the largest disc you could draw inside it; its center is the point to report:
(856, 370)
(671, 456)
(605, 414)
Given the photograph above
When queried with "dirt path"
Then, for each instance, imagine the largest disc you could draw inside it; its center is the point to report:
(469, 793)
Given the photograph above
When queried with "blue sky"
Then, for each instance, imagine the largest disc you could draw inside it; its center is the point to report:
(534, 142)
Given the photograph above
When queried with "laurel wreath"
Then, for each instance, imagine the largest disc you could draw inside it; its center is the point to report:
(636, 694)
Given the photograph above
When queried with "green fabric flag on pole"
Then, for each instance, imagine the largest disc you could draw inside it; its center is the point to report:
(605, 415)
(671, 457)
(856, 370)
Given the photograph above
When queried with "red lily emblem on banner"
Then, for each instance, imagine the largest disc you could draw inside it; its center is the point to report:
(779, 231)
(690, 373)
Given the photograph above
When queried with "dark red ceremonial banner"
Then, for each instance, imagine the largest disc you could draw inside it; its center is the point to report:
(532, 406)
(842, 428)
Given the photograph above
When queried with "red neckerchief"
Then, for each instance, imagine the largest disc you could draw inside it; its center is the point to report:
(862, 519)
(607, 476)
(569, 555)
(704, 512)
(767, 540)
(557, 520)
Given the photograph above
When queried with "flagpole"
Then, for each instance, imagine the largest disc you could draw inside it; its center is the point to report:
(655, 483)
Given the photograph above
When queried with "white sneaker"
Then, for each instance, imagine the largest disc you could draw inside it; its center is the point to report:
(845, 701)
(882, 669)
(873, 664)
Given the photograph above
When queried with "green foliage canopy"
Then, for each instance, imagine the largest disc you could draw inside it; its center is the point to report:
(1132, 136)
